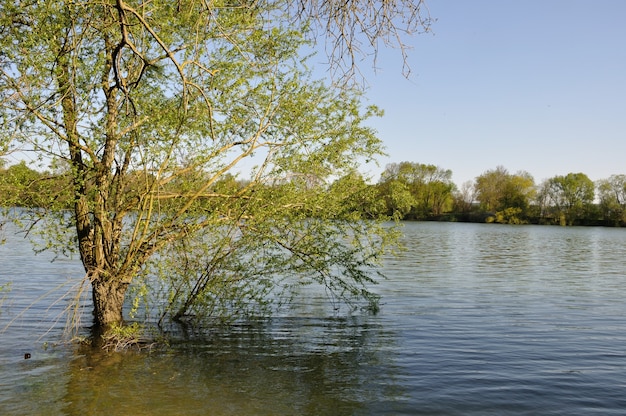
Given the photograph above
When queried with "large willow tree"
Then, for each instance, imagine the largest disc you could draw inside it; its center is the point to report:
(152, 104)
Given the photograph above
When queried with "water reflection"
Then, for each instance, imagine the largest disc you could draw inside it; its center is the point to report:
(332, 366)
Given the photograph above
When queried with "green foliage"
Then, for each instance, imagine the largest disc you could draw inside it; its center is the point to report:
(22, 186)
(509, 216)
(570, 197)
(398, 198)
(417, 191)
(356, 198)
(498, 190)
(149, 110)
(612, 196)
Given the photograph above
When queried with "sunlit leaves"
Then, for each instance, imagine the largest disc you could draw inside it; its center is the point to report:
(570, 195)
(416, 190)
(498, 190)
(612, 196)
(155, 106)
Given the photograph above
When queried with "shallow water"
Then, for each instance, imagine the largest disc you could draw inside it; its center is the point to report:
(476, 319)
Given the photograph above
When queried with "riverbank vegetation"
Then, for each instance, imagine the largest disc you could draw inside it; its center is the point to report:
(405, 191)
(425, 192)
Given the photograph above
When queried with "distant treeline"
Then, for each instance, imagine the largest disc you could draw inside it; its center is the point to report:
(426, 192)
(406, 191)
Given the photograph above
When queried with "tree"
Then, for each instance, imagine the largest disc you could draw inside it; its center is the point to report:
(489, 187)
(21, 186)
(152, 103)
(507, 195)
(571, 196)
(430, 187)
(519, 191)
(18, 185)
(398, 198)
(464, 197)
(612, 196)
(361, 200)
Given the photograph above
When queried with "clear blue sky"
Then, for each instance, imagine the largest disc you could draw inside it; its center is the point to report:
(536, 85)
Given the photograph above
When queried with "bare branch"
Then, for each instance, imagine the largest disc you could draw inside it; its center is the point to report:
(356, 27)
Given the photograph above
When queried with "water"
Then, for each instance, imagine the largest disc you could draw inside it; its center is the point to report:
(476, 320)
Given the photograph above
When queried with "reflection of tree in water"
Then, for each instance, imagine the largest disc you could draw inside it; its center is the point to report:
(305, 366)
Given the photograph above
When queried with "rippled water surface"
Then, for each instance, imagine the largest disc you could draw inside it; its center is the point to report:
(476, 320)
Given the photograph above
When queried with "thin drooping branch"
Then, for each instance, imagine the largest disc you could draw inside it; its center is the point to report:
(351, 24)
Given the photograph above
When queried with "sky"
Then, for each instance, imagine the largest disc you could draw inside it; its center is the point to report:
(536, 86)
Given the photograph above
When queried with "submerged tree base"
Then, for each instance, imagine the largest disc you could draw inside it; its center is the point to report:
(119, 338)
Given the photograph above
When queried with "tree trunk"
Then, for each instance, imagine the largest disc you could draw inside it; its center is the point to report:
(108, 301)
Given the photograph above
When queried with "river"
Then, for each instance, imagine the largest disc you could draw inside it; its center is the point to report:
(476, 319)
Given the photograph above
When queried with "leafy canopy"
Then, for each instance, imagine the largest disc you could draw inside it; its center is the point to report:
(153, 107)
